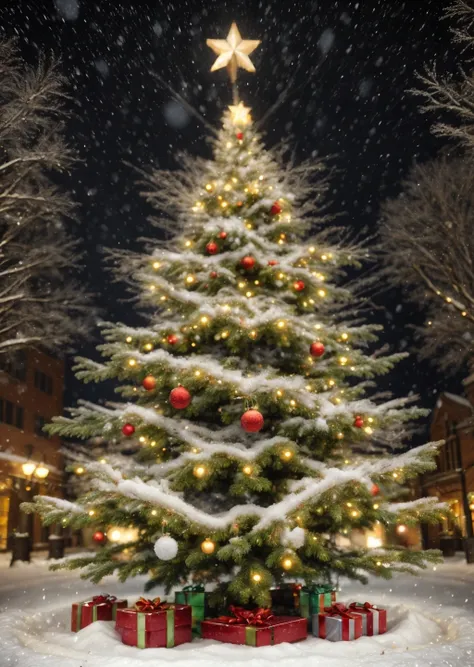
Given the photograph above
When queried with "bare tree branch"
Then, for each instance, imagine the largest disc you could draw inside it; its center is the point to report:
(429, 249)
(39, 301)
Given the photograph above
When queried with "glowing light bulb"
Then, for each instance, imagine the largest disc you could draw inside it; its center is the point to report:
(190, 279)
(292, 403)
(321, 293)
(247, 470)
(257, 578)
(156, 265)
(148, 347)
(199, 471)
(204, 319)
(132, 362)
(312, 249)
(128, 339)
(142, 438)
(368, 430)
(287, 564)
(249, 295)
(401, 529)
(287, 454)
(281, 324)
(188, 244)
(154, 512)
(375, 506)
(344, 336)
(91, 512)
(80, 470)
(343, 361)
(324, 257)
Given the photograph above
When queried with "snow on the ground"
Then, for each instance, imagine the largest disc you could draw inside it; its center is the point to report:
(431, 624)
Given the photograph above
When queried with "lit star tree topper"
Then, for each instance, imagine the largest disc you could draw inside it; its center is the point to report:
(233, 52)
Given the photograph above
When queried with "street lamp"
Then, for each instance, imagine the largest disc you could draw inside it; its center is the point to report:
(30, 468)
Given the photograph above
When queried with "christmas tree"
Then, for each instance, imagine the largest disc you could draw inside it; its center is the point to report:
(250, 433)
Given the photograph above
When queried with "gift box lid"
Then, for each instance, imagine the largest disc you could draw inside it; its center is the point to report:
(101, 601)
(155, 620)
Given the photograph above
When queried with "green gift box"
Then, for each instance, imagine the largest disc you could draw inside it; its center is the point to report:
(195, 596)
(314, 598)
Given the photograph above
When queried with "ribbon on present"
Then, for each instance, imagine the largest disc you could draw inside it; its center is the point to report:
(338, 609)
(374, 620)
(101, 599)
(144, 605)
(257, 617)
(252, 619)
(337, 623)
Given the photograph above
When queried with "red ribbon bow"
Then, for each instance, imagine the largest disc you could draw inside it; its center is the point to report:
(358, 605)
(338, 609)
(259, 617)
(144, 605)
(102, 599)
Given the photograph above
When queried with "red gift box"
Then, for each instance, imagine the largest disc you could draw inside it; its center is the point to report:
(154, 624)
(374, 620)
(99, 608)
(254, 628)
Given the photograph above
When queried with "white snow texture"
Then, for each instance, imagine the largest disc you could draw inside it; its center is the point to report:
(431, 624)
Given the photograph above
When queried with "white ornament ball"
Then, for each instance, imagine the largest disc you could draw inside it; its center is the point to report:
(166, 547)
(293, 538)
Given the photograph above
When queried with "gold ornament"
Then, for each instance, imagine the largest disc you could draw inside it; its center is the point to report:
(233, 52)
(208, 546)
(240, 114)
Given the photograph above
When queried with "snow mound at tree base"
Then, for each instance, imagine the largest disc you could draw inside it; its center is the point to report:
(416, 637)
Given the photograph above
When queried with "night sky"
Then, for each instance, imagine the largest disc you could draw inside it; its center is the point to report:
(354, 63)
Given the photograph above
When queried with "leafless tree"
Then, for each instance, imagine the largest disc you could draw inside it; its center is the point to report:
(429, 250)
(451, 98)
(40, 302)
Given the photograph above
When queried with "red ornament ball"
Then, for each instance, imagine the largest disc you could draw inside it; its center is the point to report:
(128, 429)
(223, 235)
(316, 349)
(272, 262)
(240, 203)
(98, 537)
(240, 136)
(299, 285)
(180, 398)
(358, 422)
(276, 208)
(252, 421)
(149, 382)
(212, 248)
(213, 274)
(248, 262)
(375, 490)
(172, 339)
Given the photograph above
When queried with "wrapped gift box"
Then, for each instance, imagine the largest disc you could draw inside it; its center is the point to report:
(298, 600)
(254, 628)
(337, 624)
(154, 624)
(286, 599)
(99, 608)
(196, 597)
(374, 620)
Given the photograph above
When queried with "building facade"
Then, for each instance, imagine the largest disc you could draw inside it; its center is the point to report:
(31, 393)
(453, 422)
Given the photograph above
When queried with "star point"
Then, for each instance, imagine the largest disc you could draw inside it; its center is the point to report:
(233, 52)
